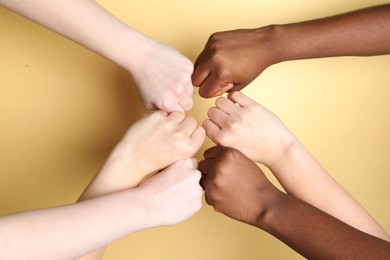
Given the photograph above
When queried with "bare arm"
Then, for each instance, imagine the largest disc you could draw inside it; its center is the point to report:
(241, 123)
(317, 235)
(151, 144)
(68, 232)
(162, 75)
(233, 59)
(55, 233)
(236, 187)
(363, 32)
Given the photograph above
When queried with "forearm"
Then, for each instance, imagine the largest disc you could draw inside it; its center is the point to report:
(363, 32)
(86, 23)
(110, 179)
(67, 232)
(317, 235)
(303, 177)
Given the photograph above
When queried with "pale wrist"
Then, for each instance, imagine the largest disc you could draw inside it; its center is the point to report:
(290, 149)
(139, 46)
(137, 205)
(123, 171)
(151, 206)
(126, 47)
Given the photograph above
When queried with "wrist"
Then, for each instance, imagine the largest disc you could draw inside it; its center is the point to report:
(122, 172)
(137, 205)
(274, 42)
(137, 52)
(126, 46)
(289, 42)
(271, 201)
(291, 147)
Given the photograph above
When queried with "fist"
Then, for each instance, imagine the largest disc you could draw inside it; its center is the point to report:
(174, 194)
(231, 60)
(234, 185)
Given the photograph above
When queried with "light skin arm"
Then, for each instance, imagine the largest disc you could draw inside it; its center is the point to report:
(68, 232)
(241, 123)
(233, 59)
(236, 187)
(161, 74)
(152, 143)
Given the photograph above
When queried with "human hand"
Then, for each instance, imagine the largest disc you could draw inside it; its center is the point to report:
(175, 193)
(154, 142)
(241, 123)
(234, 185)
(231, 60)
(163, 77)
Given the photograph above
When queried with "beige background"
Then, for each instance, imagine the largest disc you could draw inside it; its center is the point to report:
(62, 108)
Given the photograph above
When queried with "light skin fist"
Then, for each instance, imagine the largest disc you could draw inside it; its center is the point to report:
(231, 60)
(234, 185)
(151, 144)
(163, 78)
(175, 193)
(239, 122)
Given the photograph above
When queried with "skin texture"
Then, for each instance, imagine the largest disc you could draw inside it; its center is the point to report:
(70, 231)
(115, 204)
(165, 138)
(241, 123)
(236, 187)
(233, 59)
(161, 74)
(162, 77)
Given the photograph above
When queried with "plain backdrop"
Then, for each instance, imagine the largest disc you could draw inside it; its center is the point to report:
(63, 108)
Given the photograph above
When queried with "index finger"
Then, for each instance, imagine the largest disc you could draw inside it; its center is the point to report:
(214, 85)
(200, 73)
(213, 152)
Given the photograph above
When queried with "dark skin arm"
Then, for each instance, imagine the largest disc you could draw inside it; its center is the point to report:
(233, 59)
(236, 187)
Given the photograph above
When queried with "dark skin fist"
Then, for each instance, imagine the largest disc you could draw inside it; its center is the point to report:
(234, 185)
(231, 60)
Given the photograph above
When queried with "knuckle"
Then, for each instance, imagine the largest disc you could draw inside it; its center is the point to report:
(188, 67)
(224, 74)
(197, 205)
(199, 192)
(221, 138)
(188, 104)
(220, 101)
(216, 208)
(167, 104)
(197, 175)
(192, 122)
(175, 117)
(214, 37)
(149, 106)
(232, 125)
(230, 154)
(209, 200)
(157, 115)
(188, 149)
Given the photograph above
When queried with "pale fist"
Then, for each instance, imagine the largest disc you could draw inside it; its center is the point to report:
(156, 141)
(234, 185)
(174, 194)
(163, 78)
(241, 123)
